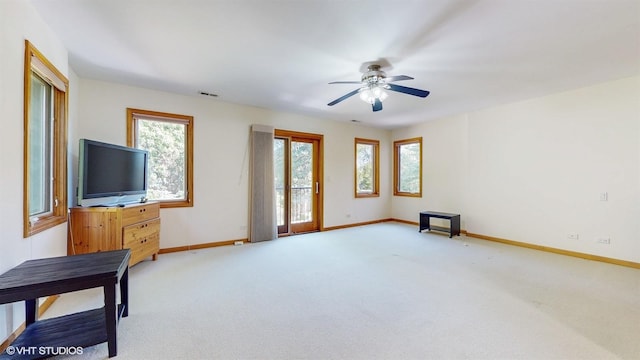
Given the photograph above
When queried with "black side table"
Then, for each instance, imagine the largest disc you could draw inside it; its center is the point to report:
(51, 276)
(454, 219)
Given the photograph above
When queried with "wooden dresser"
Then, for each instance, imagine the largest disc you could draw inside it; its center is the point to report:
(135, 227)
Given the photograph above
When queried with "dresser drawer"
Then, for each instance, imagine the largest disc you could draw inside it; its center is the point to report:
(132, 234)
(138, 213)
(144, 248)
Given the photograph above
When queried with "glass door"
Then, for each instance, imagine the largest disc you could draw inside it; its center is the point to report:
(281, 160)
(297, 183)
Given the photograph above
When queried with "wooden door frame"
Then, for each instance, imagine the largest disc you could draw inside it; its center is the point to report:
(320, 138)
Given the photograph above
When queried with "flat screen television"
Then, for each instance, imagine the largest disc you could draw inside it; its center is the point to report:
(110, 174)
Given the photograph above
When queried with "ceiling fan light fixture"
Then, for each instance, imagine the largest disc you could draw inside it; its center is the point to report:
(370, 94)
(373, 86)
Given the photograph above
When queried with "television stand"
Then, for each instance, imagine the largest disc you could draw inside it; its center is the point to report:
(133, 226)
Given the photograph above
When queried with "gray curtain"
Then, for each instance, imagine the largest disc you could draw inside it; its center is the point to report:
(262, 216)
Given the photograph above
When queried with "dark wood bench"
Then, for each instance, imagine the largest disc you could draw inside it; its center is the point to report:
(454, 220)
(51, 276)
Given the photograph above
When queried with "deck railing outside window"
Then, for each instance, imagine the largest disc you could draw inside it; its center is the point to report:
(300, 204)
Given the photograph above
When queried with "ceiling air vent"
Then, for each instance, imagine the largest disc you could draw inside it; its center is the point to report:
(207, 93)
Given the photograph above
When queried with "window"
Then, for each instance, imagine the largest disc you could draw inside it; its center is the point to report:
(169, 140)
(407, 167)
(367, 160)
(45, 144)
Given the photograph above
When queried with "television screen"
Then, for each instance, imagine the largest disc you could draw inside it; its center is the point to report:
(110, 174)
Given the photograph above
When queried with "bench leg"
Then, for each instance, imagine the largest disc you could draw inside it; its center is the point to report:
(110, 317)
(455, 226)
(424, 223)
(31, 311)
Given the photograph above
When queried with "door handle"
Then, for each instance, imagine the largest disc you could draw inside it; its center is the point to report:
(317, 187)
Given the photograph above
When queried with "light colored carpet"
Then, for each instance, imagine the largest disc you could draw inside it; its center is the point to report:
(381, 291)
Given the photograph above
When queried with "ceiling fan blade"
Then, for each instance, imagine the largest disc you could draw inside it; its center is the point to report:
(398, 78)
(408, 90)
(377, 105)
(343, 97)
(346, 82)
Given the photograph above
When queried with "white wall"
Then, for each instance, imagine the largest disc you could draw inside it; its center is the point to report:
(535, 170)
(444, 169)
(221, 138)
(19, 21)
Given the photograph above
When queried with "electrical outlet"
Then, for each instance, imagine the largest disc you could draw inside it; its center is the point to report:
(573, 236)
(606, 241)
(604, 196)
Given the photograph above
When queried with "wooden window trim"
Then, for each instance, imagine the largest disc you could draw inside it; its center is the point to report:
(376, 168)
(186, 120)
(60, 85)
(396, 167)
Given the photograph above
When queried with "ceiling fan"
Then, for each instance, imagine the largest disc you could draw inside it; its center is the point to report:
(373, 84)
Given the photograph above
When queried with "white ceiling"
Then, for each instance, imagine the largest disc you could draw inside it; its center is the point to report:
(281, 54)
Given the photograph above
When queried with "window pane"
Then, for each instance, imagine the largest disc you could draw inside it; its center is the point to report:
(45, 156)
(40, 147)
(409, 176)
(166, 143)
(364, 168)
(169, 140)
(301, 182)
(367, 172)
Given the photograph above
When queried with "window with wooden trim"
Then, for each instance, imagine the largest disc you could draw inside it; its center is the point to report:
(367, 169)
(45, 143)
(169, 140)
(407, 167)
